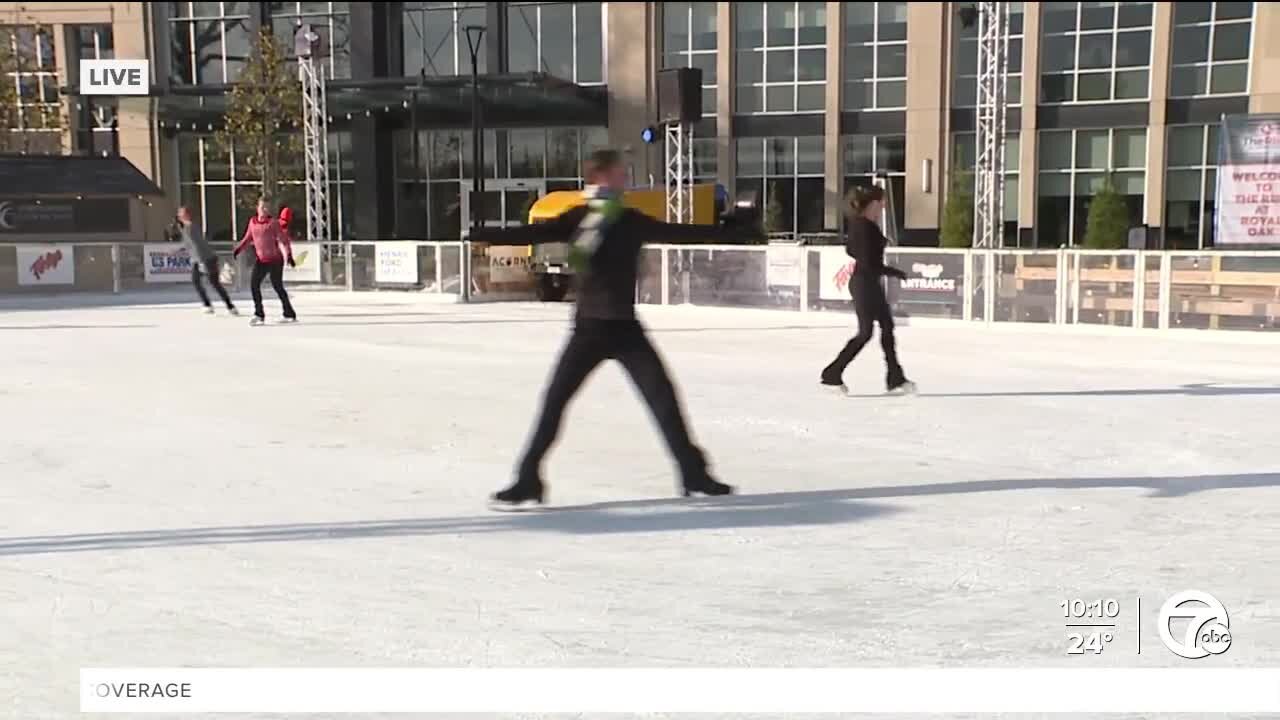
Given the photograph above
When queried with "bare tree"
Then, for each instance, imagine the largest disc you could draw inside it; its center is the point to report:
(264, 119)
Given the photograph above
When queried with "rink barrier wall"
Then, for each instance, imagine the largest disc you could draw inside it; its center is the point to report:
(1222, 290)
(1232, 290)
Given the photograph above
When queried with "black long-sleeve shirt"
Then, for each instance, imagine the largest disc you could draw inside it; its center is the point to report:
(866, 244)
(607, 291)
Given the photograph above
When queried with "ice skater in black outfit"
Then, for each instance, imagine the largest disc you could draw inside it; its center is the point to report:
(203, 261)
(866, 246)
(605, 253)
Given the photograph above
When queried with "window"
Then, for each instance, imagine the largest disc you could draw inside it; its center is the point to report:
(222, 196)
(964, 161)
(1191, 187)
(787, 172)
(1095, 51)
(435, 37)
(330, 20)
(97, 124)
(866, 156)
(563, 39)
(875, 55)
(781, 57)
(964, 82)
(1073, 166)
(209, 41)
(689, 40)
(1211, 43)
(429, 192)
(33, 122)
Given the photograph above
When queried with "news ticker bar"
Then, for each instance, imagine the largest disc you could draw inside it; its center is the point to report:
(669, 690)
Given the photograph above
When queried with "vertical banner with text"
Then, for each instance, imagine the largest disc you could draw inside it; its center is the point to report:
(1248, 201)
(395, 263)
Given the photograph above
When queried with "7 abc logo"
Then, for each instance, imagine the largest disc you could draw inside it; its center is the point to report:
(1207, 632)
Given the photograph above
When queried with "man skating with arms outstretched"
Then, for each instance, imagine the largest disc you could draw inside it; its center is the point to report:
(605, 252)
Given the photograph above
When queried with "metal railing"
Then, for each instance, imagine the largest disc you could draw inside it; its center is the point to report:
(1136, 289)
(1231, 290)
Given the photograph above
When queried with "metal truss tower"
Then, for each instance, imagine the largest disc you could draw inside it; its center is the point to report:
(993, 83)
(315, 126)
(679, 154)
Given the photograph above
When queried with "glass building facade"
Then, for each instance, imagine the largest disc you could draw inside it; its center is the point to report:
(801, 101)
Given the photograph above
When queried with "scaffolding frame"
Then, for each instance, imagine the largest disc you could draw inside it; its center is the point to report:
(315, 132)
(993, 84)
(679, 163)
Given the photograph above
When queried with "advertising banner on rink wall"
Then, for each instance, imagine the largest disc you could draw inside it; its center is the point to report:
(166, 262)
(395, 263)
(783, 269)
(1248, 201)
(46, 264)
(835, 268)
(306, 258)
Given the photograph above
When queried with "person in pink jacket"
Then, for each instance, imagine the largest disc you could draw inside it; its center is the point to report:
(271, 249)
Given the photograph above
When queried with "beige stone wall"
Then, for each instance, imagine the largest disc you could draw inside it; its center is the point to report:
(632, 38)
(1264, 72)
(927, 73)
(1157, 122)
(1028, 140)
(726, 156)
(833, 170)
(131, 38)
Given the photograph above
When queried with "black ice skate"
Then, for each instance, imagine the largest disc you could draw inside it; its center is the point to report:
(900, 386)
(834, 384)
(522, 494)
(704, 484)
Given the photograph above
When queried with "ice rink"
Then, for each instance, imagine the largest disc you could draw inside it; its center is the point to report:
(187, 490)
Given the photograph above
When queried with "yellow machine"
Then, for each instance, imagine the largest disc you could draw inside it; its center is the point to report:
(550, 262)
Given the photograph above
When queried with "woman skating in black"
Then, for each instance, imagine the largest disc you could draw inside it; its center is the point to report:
(866, 244)
(606, 240)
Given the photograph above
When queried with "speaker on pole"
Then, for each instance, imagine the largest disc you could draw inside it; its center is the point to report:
(679, 96)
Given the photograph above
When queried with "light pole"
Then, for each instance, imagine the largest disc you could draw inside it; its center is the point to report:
(475, 34)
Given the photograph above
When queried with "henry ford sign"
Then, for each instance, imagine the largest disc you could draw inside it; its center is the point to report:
(29, 216)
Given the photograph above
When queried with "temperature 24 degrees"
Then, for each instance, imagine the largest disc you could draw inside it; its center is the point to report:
(1092, 642)
(1091, 624)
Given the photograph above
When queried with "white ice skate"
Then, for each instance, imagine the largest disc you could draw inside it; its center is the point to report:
(839, 389)
(906, 388)
(208, 311)
(288, 321)
(256, 321)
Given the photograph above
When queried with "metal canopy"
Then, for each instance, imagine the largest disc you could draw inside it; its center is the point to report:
(510, 101)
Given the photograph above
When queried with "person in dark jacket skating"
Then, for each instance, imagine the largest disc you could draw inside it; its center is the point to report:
(606, 240)
(866, 244)
(203, 260)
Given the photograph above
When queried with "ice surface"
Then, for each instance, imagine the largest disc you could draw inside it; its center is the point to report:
(180, 489)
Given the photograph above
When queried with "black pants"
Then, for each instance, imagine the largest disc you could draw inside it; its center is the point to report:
(625, 341)
(276, 271)
(210, 271)
(871, 307)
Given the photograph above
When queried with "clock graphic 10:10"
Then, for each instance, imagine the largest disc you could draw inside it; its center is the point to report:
(1101, 608)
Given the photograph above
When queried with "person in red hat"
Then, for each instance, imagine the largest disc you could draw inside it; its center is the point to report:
(286, 217)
